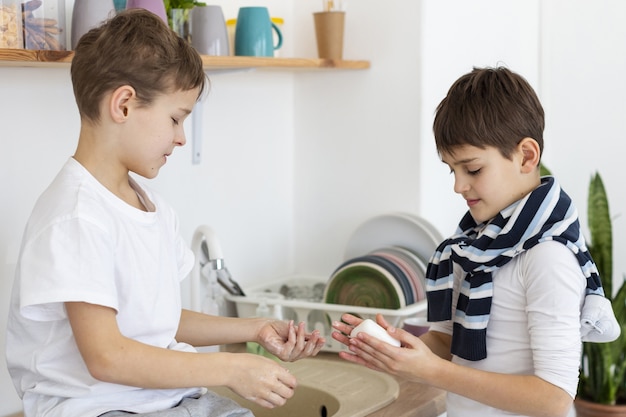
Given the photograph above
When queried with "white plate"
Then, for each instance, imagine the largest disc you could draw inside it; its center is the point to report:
(395, 229)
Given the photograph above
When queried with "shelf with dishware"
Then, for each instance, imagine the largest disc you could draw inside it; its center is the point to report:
(47, 58)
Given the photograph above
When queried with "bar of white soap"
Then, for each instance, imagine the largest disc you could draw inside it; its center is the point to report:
(372, 328)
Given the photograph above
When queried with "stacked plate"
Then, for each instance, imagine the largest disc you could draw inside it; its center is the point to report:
(386, 263)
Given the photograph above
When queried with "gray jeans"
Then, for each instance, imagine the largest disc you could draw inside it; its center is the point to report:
(208, 405)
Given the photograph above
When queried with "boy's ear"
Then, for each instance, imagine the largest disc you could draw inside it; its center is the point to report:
(120, 102)
(531, 154)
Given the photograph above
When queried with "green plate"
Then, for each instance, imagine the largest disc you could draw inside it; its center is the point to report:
(363, 285)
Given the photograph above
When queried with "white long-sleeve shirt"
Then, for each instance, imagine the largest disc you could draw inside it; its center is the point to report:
(534, 325)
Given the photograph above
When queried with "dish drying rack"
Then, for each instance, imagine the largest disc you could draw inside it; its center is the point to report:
(393, 229)
(316, 315)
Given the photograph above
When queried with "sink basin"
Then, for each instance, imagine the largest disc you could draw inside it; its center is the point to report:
(306, 402)
(328, 388)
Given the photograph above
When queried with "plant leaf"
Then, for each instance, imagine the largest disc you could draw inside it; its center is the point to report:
(599, 221)
(543, 170)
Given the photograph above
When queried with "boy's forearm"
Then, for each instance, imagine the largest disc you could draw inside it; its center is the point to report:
(112, 357)
(521, 394)
(145, 366)
(198, 329)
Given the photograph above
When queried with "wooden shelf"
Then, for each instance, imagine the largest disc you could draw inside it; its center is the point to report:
(30, 58)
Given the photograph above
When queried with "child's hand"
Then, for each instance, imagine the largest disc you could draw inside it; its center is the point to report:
(262, 380)
(345, 327)
(411, 361)
(289, 342)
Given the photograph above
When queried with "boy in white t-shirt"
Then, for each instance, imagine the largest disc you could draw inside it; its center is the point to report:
(96, 325)
(507, 292)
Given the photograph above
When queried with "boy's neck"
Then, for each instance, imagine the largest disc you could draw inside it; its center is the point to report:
(108, 172)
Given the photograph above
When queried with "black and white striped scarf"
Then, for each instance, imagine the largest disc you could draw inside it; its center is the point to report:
(547, 213)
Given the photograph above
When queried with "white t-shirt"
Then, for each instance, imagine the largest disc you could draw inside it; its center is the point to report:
(534, 325)
(82, 243)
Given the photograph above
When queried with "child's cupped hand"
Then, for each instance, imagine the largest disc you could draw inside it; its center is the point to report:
(289, 342)
(411, 361)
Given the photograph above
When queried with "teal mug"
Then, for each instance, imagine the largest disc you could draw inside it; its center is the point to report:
(253, 33)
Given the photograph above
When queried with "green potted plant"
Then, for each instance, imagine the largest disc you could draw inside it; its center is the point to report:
(178, 15)
(603, 374)
(181, 4)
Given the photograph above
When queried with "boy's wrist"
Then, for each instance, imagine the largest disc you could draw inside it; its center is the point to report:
(259, 324)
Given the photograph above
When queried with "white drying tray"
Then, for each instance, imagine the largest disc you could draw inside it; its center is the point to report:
(316, 315)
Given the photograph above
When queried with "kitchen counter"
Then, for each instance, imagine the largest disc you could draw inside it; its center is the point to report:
(414, 400)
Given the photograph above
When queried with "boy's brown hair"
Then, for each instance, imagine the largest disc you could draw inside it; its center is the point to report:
(134, 48)
(489, 107)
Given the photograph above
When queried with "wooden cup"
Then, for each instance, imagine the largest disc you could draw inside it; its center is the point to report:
(329, 33)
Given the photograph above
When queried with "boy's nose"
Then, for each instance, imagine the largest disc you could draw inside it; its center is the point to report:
(180, 139)
(460, 186)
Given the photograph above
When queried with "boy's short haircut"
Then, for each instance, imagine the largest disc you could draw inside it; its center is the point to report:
(134, 48)
(489, 107)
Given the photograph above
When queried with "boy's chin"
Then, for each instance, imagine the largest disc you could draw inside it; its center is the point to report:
(148, 174)
(480, 217)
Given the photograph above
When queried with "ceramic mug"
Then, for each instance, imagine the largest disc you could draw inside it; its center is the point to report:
(253, 33)
(417, 326)
(208, 30)
(119, 4)
(155, 6)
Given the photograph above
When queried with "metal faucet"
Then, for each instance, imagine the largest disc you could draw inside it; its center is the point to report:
(209, 259)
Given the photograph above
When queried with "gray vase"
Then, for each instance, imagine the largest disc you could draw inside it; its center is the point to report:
(88, 14)
(208, 30)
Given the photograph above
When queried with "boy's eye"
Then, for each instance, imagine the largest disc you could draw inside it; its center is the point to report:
(175, 121)
(475, 172)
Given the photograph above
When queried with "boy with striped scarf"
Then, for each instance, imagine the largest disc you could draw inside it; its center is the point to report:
(514, 291)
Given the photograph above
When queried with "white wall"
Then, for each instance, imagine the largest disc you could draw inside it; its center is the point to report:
(364, 140)
(357, 133)
(582, 70)
(468, 34)
(293, 162)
